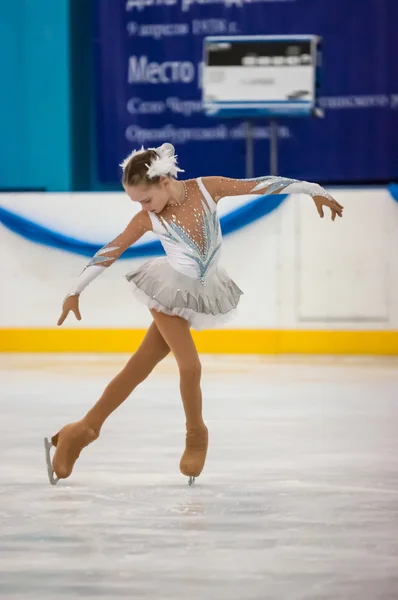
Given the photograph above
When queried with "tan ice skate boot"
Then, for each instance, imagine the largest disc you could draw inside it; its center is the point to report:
(69, 442)
(194, 457)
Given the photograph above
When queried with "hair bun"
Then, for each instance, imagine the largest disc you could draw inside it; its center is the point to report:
(165, 163)
(166, 149)
(161, 161)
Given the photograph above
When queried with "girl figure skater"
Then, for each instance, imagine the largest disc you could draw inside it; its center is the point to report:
(185, 289)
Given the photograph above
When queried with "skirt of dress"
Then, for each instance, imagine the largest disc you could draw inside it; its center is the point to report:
(204, 305)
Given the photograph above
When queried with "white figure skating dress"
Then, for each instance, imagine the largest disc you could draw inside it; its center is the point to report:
(188, 282)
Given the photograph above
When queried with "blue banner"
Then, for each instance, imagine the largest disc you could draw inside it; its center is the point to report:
(148, 57)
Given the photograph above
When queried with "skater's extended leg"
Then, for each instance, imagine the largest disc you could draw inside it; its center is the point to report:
(72, 438)
(177, 335)
(152, 350)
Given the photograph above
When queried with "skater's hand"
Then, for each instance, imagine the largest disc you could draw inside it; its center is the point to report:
(335, 207)
(71, 303)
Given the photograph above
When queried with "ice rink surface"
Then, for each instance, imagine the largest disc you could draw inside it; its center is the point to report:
(298, 499)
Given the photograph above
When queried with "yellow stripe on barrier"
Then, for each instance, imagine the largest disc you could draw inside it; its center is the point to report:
(223, 341)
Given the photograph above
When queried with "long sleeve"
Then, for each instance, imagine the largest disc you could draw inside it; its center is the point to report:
(219, 187)
(107, 255)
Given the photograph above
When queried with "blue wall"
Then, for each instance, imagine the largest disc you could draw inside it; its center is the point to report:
(35, 107)
(47, 109)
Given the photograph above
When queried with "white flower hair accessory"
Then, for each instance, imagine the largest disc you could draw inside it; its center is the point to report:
(165, 162)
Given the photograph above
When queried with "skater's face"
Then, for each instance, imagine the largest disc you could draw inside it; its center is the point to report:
(153, 197)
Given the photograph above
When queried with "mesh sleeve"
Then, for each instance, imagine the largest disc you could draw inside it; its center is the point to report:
(219, 187)
(107, 255)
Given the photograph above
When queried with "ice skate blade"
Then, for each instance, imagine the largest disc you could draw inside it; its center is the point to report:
(191, 480)
(47, 446)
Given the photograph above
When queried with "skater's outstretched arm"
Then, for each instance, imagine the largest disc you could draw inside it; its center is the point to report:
(104, 258)
(219, 187)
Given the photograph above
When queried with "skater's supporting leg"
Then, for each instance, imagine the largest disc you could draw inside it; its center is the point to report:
(175, 331)
(72, 438)
(177, 335)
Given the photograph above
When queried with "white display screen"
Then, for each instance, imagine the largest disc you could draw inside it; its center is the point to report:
(257, 72)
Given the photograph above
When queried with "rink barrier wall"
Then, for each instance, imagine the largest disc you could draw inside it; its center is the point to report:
(225, 341)
(310, 286)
